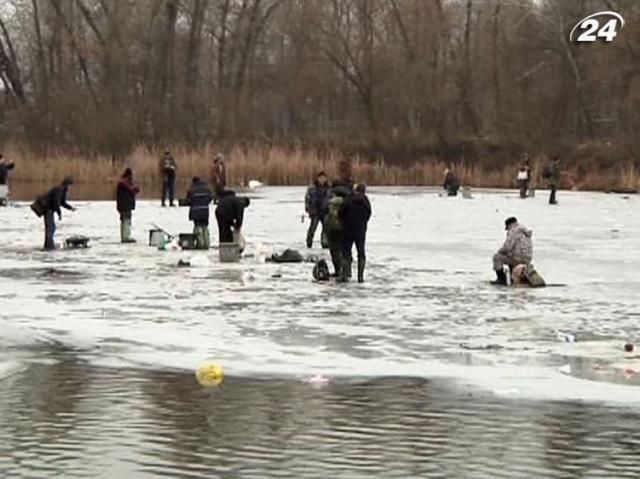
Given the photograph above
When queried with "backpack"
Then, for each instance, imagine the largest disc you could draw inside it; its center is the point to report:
(333, 222)
(321, 271)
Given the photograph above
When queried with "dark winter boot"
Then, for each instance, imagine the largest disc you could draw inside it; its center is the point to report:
(361, 266)
(501, 278)
(349, 268)
(345, 271)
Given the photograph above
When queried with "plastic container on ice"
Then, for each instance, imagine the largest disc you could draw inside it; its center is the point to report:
(229, 252)
(157, 237)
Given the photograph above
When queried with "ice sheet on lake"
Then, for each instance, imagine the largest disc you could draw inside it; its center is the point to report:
(430, 260)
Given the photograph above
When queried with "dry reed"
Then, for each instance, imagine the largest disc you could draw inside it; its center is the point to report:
(278, 166)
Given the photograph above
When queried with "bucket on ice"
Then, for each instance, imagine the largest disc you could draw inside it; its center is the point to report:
(229, 252)
(157, 237)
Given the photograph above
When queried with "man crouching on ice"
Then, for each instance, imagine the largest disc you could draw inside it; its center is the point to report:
(517, 249)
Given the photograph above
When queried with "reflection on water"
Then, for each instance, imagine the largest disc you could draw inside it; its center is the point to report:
(69, 419)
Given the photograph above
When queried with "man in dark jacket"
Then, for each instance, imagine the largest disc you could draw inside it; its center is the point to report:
(230, 216)
(4, 176)
(126, 193)
(168, 168)
(451, 183)
(5, 167)
(355, 213)
(199, 197)
(317, 205)
(49, 204)
(552, 175)
(341, 189)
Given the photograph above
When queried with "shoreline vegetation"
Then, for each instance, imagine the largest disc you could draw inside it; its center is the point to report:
(279, 166)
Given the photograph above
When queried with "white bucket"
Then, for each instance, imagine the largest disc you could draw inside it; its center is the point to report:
(4, 191)
(229, 252)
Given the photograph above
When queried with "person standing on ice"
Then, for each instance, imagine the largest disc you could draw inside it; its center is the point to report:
(5, 167)
(199, 197)
(553, 175)
(48, 205)
(341, 188)
(218, 176)
(451, 183)
(126, 192)
(524, 176)
(355, 213)
(316, 204)
(517, 249)
(230, 216)
(168, 169)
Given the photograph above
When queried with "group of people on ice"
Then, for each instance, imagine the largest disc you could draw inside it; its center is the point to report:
(551, 174)
(229, 211)
(341, 208)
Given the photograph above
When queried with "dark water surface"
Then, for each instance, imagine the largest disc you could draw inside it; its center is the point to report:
(69, 419)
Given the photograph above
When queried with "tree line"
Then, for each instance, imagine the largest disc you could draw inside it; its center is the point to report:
(399, 78)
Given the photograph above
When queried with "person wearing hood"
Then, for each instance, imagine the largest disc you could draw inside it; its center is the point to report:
(199, 197)
(451, 183)
(230, 216)
(49, 204)
(355, 213)
(126, 192)
(316, 206)
(341, 189)
(517, 249)
(168, 168)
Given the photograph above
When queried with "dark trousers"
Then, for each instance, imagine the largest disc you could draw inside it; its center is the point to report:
(225, 229)
(349, 240)
(335, 240)
(313, 227)
(552, 197)
(49, 230)
(168, 189)
(524, 188)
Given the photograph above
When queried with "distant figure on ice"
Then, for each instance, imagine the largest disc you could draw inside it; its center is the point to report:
(168, 169)
(126, 192)
(552, 175)
(451, 183)
(218, 175)
(355, 213)
(524, 176)
(341, 189)
(230, 216)
(5, 167)
(317, 205)
(49, 204)
(517, 249)
(199, 197)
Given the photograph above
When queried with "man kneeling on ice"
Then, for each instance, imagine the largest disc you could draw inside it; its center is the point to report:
(517, 249)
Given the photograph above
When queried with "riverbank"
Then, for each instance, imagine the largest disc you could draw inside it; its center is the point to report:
(285, 167)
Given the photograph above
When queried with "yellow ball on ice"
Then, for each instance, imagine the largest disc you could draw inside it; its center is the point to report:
(210, 374)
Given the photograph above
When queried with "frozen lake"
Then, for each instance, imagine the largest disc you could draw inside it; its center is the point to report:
(427, 315)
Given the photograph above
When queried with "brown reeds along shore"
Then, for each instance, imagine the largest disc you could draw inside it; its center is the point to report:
(277, 166)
